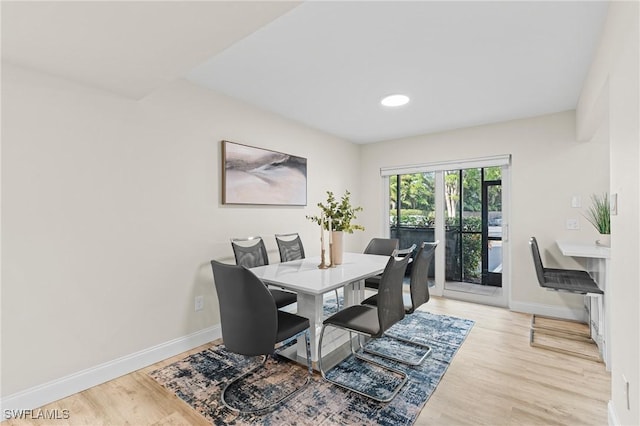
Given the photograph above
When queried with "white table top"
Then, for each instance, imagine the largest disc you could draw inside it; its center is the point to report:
(584, 250)
(304, 276)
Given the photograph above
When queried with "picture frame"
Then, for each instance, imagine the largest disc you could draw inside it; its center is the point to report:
(252, 175)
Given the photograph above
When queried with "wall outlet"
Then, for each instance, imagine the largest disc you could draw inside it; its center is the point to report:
(573, 224)
(199, 303)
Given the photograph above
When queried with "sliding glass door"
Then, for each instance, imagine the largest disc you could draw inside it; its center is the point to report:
(472, 217)
(412, 209)
(473, 200)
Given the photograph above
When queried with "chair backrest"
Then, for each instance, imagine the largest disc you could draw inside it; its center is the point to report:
(390, 303)
(404, 252)
(419, 282)
(290, 247)
(250, 252)
(248, 313)
(537, 260)
(382, 246)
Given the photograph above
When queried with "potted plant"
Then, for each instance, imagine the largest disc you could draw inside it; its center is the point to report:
(599, 215)
(337, 218)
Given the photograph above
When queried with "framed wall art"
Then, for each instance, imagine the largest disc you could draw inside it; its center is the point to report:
(253, 175)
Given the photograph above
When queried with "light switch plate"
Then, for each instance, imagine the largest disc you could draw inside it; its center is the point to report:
(576, 202)
(573, 224)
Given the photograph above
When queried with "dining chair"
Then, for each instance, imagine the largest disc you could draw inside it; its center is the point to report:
(417, 296)
(371, 321)
(562, 280)
(380, 246)
(253, 325)
(291, 248)
(251, 252)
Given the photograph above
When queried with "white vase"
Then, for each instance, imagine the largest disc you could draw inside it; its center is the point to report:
(337, 249)
(604, 240)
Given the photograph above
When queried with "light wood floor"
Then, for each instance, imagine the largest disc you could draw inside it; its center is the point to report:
(496, 378)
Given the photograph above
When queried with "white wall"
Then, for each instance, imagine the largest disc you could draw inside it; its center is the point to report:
(111, 213)
(609, 101)
(548, 167)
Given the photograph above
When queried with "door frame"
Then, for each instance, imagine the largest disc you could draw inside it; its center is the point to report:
(503, 161)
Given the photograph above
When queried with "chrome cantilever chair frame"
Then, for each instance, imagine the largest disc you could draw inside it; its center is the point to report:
(254, 326)
(390, 311)
(419, 295)
(562, 280)
(273, 404)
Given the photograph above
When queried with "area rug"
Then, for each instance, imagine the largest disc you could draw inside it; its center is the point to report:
(199, 378)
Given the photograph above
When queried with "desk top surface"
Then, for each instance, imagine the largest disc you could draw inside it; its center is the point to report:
(304, 276)
(584, 250)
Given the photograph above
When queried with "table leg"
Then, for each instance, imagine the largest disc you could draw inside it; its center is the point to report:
(354, 293)
(310, 307)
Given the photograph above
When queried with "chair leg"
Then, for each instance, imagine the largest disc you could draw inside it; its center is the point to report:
(273, 404)
(564, 334)
(417, 360)
(337, 299)
(404, 377)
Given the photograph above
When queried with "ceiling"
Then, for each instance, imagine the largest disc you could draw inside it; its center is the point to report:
(324, 63)
(130, 48)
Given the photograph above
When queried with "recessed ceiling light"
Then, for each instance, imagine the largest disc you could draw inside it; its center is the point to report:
(394, 100)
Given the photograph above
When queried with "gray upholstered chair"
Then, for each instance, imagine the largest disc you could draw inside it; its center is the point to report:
(563, 280)
(371, 321)
(252, 325)
(570, 280)
(419, 281)
(417, 296)
(251, 252)
(381, 246)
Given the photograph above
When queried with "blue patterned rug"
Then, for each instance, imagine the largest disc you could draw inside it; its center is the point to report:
(198, 380)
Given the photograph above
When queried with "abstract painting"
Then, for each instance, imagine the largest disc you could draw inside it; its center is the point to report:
(253, 175)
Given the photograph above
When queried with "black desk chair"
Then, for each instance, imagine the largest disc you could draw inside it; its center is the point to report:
(252, 325)
(251, 252)
(563, 280)
(372, 321)
(418, 295)
(383, 247)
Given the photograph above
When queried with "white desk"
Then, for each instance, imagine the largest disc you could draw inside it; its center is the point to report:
(597, 258)
(311, 283)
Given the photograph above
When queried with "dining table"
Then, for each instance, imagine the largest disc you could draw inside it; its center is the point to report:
(311, 283)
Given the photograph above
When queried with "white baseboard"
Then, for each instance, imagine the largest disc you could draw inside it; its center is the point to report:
(576, 314)
(612, 417)
(54, 390)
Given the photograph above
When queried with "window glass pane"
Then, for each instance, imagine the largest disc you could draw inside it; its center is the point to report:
(493, 173)
(453, 269)
(412, 209)
(471, 200)
(494, 206)
(495, 256)
(472, 257)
